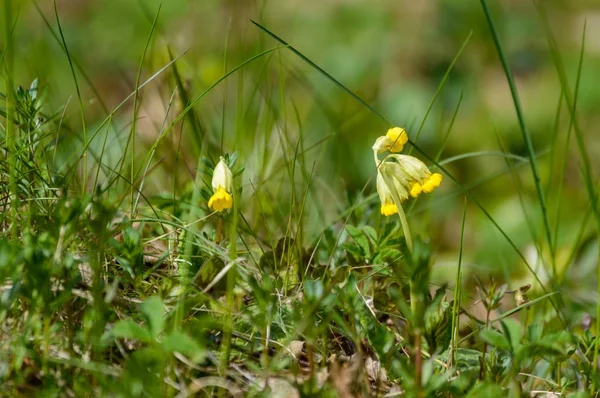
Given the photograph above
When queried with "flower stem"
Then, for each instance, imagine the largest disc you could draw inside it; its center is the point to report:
(418, 364)
(401, 214)
(405, 227)
(377, 161)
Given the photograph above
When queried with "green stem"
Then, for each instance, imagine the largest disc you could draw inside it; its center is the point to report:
(413, 298)
(398, 203)
(416, 331)
(405, 227)
(485, 347)
(457, 291)
(596, 344)
(418, 364)
(231, 282)
(11, 129)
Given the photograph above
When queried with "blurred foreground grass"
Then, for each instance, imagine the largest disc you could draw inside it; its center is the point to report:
(118, 279)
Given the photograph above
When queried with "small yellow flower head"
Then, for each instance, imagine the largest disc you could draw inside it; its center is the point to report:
(392, 182)
(221, 200)
(398, 137)
(393, 141)
(415, 189)
(412, 166)
(222, 184)
(388, 207)
(432, 182)
(419, 173)
(389, 210)
(401, 176)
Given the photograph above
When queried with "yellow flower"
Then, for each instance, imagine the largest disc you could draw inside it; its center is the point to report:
(415, 189)
(416, 170)
(393, 141)
(221, 200)
(422, 179)
(388, 207)
(432, 182)
(391, 187)
(401, 176)
(222, 184)
(398, 137)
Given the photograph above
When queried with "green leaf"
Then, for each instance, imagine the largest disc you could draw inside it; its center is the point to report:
(579, 394)
(129, 329)
(540, 349)
(387, 255)
(153, 310)
(495, 339)
(486, 390)
(182, 343)
(534, 332)
(467, 360)
(512, 331)
(313, 290)
(508, 313)
(562, 337)
(267, 262)
(370, 232)
(381, 339)
(360, 239)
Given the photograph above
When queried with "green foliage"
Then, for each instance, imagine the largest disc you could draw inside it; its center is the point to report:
(116, 279)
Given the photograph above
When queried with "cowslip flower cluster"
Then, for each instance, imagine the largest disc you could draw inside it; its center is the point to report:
(400, 176)
(222, 184)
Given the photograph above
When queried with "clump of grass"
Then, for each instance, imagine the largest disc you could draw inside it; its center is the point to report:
(240, 281)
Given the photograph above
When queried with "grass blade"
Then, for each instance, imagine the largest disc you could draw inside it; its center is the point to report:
(79, 98)
(524, 131)
(439, 89)
(318, 68)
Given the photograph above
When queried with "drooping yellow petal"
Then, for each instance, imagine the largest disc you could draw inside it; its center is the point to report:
(432, 182)
(221, 200)
(389, 209)
(415, 189)
(398, 138)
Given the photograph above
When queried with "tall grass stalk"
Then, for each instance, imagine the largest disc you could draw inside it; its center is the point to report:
(228, 323)
(11, 128)
(457, 291)
(136, 105)
(524, 130)
(83, 156)
(565, 158)
(586, 165)
(439, 89)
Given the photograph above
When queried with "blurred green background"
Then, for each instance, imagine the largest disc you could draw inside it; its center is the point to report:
(391, 53)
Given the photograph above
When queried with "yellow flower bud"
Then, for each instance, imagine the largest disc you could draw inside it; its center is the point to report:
(398, 138)
(382, 144)
(393, 141)
(400, 176)
(222, 176)
(222, 184)
(388, 207)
